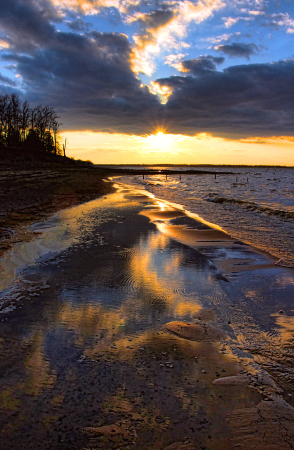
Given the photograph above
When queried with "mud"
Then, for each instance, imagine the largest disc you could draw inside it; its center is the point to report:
(124, 337)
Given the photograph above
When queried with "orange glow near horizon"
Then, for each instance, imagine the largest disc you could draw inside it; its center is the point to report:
(166, 148)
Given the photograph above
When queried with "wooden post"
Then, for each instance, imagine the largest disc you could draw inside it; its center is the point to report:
(64, 147)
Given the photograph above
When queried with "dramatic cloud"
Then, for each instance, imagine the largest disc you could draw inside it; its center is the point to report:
(88, 78)
(256, 99)
(27, 25)
(175, 61)
(7, 81)
(237, 50)
(52, 55)
(78, 25)
(201, 65)
(166, 27)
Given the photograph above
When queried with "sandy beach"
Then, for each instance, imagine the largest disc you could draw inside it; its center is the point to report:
(129, 324)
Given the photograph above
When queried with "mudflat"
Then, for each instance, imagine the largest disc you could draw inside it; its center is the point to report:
(30, 195)
(127, 332)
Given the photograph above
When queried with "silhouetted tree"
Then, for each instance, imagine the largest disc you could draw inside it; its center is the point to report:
(21, 125)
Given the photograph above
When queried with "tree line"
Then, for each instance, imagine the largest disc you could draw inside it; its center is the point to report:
(23, 126)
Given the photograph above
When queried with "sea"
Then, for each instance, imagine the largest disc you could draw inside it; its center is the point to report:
(252, 204)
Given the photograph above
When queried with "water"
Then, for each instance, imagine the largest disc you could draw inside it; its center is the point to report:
(255, 205)
(84, 313)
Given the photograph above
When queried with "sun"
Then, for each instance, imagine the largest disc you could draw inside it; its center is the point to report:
(160, 140)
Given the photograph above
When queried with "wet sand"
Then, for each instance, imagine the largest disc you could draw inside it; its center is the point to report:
(133, 331)
(30, 195)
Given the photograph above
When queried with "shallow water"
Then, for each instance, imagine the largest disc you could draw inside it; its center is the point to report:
(83, 342)
(255, 205)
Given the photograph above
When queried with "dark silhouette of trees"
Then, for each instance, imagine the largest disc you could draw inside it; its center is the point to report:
(23, 126)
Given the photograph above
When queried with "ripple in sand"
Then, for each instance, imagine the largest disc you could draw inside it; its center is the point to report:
(268, 425)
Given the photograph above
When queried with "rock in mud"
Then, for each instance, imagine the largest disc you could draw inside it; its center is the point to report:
(195, 331)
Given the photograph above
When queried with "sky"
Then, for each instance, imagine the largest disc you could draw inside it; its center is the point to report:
(159, 81)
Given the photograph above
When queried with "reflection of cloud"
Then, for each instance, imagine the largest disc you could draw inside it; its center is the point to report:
(286, 324)
(157, 280)
(37, 368)
(153, 286)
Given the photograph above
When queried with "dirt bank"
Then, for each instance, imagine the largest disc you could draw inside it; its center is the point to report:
(29, 195)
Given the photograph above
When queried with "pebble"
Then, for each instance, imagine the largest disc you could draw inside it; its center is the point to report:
(203, 371)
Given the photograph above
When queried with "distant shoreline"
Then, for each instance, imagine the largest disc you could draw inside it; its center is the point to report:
(127, 171)
(196, 165)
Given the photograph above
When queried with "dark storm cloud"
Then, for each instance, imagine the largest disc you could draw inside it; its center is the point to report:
(88, 79)
(27, 24)
(238, 50)
(7, 81)
(156, 19)
(253, 99)
(80, 67)
(202, 64)
(78, 25)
